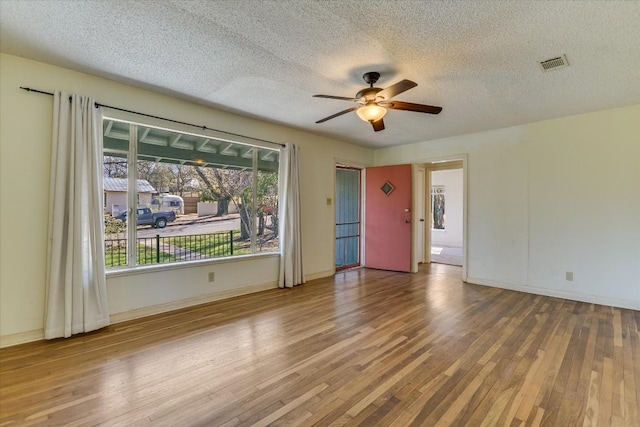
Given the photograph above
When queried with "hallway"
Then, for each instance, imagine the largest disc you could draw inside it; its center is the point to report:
(442, 254)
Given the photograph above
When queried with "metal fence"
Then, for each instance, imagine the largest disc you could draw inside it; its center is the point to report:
(156, 250)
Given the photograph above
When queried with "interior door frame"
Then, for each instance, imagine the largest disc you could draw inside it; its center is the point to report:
(415, 259)
(436, 163)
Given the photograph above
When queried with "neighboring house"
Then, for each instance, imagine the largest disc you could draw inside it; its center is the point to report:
(115, 194)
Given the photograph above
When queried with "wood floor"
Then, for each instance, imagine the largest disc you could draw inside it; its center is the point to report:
(364, 348)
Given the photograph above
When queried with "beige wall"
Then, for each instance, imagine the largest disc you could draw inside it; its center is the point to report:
(25, 134)
(551, 197)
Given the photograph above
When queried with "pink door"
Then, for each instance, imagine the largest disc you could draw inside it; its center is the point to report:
(387, 220)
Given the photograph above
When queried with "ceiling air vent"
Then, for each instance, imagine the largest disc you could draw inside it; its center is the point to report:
(554, 63)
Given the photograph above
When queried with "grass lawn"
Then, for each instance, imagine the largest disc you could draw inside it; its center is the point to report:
(201, 246)
(211, 245)
(146, 255)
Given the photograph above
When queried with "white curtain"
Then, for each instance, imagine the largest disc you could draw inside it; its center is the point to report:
(76, 285)
(291, 273)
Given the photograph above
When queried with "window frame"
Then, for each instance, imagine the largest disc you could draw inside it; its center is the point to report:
(132, 175)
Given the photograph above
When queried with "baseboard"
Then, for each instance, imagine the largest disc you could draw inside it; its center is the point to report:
(38, 334)
(202, 299)
(592, 299)
(319, 275)
(21, 338)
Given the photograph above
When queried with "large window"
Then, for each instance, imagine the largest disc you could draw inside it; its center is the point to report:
(172, 196)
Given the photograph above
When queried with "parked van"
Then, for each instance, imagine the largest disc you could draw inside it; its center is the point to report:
(168, 202)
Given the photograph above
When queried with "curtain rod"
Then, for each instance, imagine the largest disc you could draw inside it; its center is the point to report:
(28, 89)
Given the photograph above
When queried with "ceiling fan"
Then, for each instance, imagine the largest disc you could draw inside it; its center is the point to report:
(375, 101)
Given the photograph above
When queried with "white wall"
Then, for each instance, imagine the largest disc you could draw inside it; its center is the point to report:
(551, 197)
(452, 182)
(25, 135)
(144, 199)
(116, 198)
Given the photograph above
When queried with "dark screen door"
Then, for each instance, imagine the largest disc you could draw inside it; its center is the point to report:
(347, 217)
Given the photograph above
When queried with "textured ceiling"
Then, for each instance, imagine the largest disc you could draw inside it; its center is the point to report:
(265, 59)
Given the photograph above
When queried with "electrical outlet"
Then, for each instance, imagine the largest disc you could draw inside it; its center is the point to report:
(212, 276)
(569, 276)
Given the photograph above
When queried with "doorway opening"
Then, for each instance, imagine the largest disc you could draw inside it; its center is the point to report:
(446, 201)
(348, 217)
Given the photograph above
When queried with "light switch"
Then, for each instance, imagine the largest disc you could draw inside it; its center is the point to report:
(328, 200)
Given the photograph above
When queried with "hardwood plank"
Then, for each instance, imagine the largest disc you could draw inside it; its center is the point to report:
(365, 347)
(606, 393)
(559, 393)
(463, 398)
(593, 402)
(631, 380)
(291, 405)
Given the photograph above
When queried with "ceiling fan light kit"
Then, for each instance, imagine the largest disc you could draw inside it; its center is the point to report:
(375, 101)
(371, 112)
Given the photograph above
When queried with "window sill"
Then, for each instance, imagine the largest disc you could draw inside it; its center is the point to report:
(129, 271)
